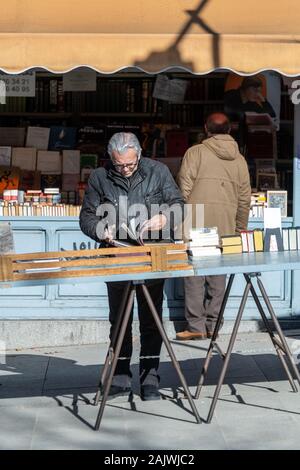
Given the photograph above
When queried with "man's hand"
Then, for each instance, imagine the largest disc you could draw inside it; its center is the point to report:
(108, 234)
(157, 222)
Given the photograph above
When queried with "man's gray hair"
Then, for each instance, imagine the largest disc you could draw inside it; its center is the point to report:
(122, 141)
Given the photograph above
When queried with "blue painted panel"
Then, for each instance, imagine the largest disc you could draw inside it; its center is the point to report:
(274, 284)
(27, 241)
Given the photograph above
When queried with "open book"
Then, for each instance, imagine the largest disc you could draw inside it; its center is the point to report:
(134, 234)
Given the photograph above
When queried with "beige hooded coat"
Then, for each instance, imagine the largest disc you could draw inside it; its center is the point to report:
(216, 175)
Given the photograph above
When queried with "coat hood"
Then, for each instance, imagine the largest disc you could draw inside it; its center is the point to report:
(223, 145)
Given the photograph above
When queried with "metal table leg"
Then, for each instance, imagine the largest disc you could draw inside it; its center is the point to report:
(214, 337)
(284, 344)
(108, 381)
(114, 336)
(116, 344)
(279, 347)
(170, 351)
(229, 351)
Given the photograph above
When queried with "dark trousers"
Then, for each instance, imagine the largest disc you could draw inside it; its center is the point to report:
(203, 299)
(150, 338)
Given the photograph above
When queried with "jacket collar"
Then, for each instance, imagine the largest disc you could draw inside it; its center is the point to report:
(120, 180)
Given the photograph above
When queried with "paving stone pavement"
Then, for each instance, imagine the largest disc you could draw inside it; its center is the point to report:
(46, 400)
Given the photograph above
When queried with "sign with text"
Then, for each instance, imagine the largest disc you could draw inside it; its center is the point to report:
(19, 85)
(80, 81)
(172, 90)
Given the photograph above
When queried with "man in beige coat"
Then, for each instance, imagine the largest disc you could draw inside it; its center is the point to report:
(216, 175)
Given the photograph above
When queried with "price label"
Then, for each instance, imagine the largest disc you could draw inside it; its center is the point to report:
(19, 85)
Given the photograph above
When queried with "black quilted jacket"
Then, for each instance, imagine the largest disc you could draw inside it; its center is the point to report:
(152, 183)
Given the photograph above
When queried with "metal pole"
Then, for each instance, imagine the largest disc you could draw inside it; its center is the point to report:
(214, 337)
(271, 334)
(170, 351)
(278, 329)
(229, 350)
(110, 352)
(120, 339)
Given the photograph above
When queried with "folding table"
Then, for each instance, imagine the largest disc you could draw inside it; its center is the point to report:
(250, 265)
(157, 263)
(134, 265)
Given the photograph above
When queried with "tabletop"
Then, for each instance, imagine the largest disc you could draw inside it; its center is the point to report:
(205, 266)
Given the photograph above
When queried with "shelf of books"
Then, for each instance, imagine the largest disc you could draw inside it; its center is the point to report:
(50, 143)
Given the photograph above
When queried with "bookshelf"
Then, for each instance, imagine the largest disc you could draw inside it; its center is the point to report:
(124, 101)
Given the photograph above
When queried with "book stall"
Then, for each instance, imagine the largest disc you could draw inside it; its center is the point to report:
(58, 116)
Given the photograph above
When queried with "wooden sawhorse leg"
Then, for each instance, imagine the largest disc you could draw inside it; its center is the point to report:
(116, 344)
(280, 346)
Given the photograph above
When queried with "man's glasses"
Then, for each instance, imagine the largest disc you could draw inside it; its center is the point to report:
(121, 167)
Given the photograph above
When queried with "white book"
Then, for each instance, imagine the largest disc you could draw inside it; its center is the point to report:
(244, 241)
(195, 243)
(49, 162)
(298, 238)
(24, 158)
(71, 162)
(212, 236)
(293, 238)
(38, 137)
(250, 240)
(203, 231)
(285, 239)
(208, 249)
(200, 254)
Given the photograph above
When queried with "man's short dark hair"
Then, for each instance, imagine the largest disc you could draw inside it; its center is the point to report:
(217, 123)
(248, 82)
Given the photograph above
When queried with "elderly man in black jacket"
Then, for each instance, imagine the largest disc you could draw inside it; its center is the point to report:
(131, 182)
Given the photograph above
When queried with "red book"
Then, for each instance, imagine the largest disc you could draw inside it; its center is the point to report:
(177, 143)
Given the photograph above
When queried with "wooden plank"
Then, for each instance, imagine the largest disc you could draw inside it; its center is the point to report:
(80, 253)
(159, 258)
(95, 252)
(80, 273)
(169, 246)
(6, 272)
(90, 263)
(177, 256)
(83, 262)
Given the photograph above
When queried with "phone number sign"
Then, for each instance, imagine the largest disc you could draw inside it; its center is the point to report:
(19, 85)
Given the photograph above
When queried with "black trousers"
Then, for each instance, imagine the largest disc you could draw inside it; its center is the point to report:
(150, 338)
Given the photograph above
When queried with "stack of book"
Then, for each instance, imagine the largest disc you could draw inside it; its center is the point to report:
(231, 244)
(258, 203)
(248, 242)
(53, 195)
(204, 242)
(291, 238)
(252, 240)
(26, 209)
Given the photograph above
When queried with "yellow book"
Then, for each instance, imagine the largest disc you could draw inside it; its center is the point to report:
(228, 240)
(258, 240)
(228, 250)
